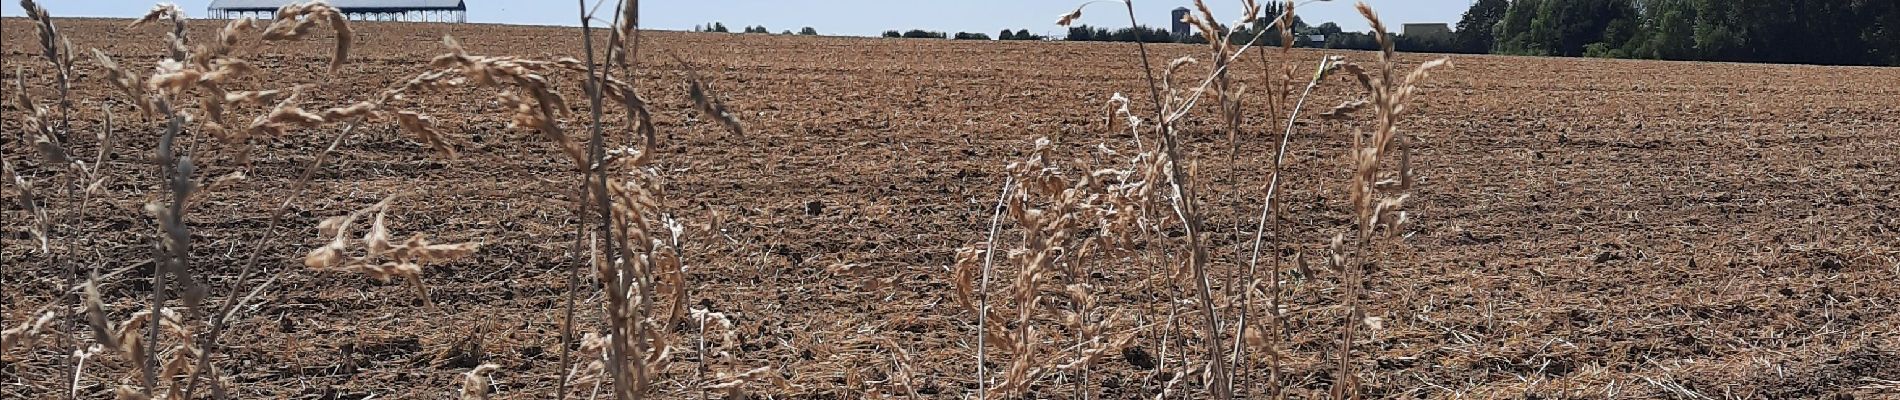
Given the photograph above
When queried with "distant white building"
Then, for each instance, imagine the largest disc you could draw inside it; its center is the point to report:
(355, 10)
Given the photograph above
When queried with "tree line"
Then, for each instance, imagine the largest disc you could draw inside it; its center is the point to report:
(1330, 35)
(1841, 32)
(721, 28)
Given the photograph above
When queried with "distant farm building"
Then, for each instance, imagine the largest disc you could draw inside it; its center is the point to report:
(355, 10)
(1431, 29)
(1180, 28)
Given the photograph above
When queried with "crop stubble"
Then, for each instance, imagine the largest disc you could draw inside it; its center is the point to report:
(1582, 224)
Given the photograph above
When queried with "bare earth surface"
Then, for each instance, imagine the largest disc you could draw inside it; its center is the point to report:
(1585, 229)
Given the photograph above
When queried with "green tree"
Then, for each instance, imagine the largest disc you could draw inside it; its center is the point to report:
(1023, 34)
(719, 27)
(923, 34)
(1670, 31)
(1567, 27)
(893, 34)
(1883, 35)
(1006, 35)
(1804, 31)
(1475, 30)
(1513, 33)
(1716, 30)
(1353, 41)
(1328, 29)
(808, 31)
(1080, 33)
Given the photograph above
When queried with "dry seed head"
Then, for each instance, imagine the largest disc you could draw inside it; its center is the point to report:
(128, 337)
(734, 384)
(1286, 25)
(295, 20)
(35, 116)
(1344, 110)
(102, 329)
(328, 256)
(709, 104)
(377, 239)
(228, 36)
(1167, 75)
(1209, 25)
(123, 79)
(213, 99)
(424, 129)
(161, 10)
(289, 23)
(359, 109)
(25, 335)
(1070, 18)
(408, 257)
(254, 97)
(428, 80)
(180, 50)
(226, 68)
(282, 117)
(173, 76)
(55, 48)
(1207, 29)
(1378, 30)
(1118, 105)
(29, 201)
(420, 250)
(124, 392)
(1379, 202)
(475, 383)
(34, 123)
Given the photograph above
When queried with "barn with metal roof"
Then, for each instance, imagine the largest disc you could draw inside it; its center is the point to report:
(356, 10)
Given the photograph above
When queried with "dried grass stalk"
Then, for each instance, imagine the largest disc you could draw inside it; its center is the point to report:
(29, 200)
(734, 384)
(160, 11)
(1071, 228)
(295, 20)
(126, 82)
(383, 258)
(282, 117)
(424, 129)
(26, 335)
(36, 126)
(543, 114)
(1377, 197)
(54, 46)
(708, 104)
(256, 97)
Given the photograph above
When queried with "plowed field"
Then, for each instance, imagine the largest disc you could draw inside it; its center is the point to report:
(1583, 228)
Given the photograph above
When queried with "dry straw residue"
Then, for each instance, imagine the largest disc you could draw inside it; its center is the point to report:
(295, 21)
(475, 383)
(26, 335)
(382, 257)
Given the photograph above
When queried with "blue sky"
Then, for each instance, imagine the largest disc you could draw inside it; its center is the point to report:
(852, 17)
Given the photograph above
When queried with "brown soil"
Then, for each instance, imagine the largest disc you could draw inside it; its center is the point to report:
(1585, 228)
